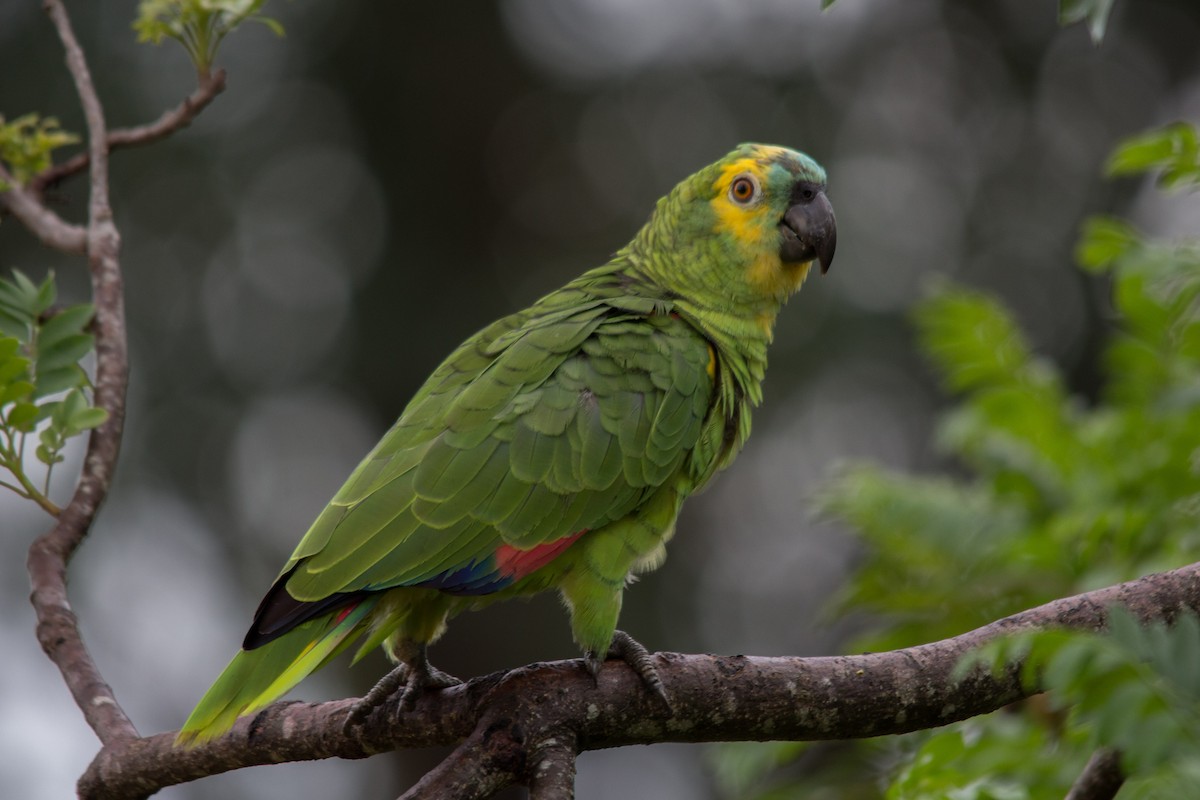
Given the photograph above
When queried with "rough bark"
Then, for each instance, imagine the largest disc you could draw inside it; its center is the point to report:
(505, 721)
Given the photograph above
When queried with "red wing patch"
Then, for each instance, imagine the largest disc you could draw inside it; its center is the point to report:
(514, 563)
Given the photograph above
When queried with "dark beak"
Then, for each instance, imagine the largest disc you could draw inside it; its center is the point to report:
(809, 229)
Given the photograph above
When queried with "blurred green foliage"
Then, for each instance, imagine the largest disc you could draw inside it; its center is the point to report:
(27, 142)
(199, 25)
(1057, 495)
(1135, 689)
(42, 385)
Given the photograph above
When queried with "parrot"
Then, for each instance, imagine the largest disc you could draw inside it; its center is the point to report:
(553, 450)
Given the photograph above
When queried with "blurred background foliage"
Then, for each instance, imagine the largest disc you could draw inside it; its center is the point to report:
(390, 177)
(1053, 496)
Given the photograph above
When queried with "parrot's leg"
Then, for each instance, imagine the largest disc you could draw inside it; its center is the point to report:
(423, 621)
(414, 673)
(635, 654)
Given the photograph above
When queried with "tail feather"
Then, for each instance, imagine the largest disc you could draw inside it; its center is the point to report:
(256, 678)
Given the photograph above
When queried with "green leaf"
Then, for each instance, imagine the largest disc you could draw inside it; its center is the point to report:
(26, 144)
(1174, 149)
(19, 298)
(1104, 240)
(65, 352)
(47, 455)
(86, 419)
(60, 379)
(68, 322)
(19, 390)
(12, 368)
(972, 339)
(14, 324)
(22, 417)
(45, 294)
(1094, 12)
(199, 25)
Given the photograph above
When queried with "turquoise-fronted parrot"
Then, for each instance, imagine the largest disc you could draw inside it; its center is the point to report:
(554, 448)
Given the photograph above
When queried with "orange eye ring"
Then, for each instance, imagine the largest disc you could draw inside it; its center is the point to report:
(743, 190)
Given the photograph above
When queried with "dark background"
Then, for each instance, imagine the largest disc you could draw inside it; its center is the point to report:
(391, 176)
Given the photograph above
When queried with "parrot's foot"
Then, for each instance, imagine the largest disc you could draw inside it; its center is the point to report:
(415, 679)
(633, 653)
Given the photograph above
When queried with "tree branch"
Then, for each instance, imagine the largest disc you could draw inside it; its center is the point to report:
(47, 226)
(491, 758)
(715, 698)
(57, 627)
(552, 768)
(1101, 779)
(208, 87)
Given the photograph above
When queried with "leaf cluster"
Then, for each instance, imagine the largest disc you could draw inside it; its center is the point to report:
(199, 25)
(27, 142)
(1054, 494)
(42, 385)
(1133, 689)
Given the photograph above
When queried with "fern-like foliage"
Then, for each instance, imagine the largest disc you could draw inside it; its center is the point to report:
(43, 389)
(1061, 496)
(1054, 496)
(1135, 689)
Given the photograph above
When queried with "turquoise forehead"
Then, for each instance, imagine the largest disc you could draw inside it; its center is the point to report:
(782, 162)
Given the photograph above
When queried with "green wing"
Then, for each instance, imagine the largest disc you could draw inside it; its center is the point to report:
(535, 429)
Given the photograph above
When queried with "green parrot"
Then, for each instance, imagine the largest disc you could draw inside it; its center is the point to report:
(553, 449)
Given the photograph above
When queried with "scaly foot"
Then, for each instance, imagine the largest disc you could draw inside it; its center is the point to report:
(415, 677)
(633, 653)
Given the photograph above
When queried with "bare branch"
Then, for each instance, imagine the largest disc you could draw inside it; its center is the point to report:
(552, 769)
(47, 226)
(715, 698)
(1101, 779)
(57, 627)
(171, 121)
(490, 759)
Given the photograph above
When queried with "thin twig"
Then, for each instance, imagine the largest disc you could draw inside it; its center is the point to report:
(47, 226)
(714, 699)
(171, 121)
(1101, 779)
(57, 626)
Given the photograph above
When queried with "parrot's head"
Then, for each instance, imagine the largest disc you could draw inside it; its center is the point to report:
(753, 224)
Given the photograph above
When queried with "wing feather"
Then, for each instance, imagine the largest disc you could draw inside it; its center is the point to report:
(534, 430)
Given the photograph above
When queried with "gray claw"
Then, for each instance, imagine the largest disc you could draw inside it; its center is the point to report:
(415, 678)
(629, 650)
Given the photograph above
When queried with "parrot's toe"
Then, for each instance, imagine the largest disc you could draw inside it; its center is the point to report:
(633, 653)
(426, 676)
(413, 679)
(379, 694)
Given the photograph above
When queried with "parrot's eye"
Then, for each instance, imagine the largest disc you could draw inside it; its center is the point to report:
(744, 190)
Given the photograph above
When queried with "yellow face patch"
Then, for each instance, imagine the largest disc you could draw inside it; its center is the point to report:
(753, 228)
(749, 225)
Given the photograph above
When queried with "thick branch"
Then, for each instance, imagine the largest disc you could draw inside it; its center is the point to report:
(552, 768)
(491, 758)
(171, 121)
(715, 698)
(57, 627)
(1101, 779)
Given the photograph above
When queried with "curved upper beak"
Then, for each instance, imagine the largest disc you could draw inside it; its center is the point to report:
(809, 231)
